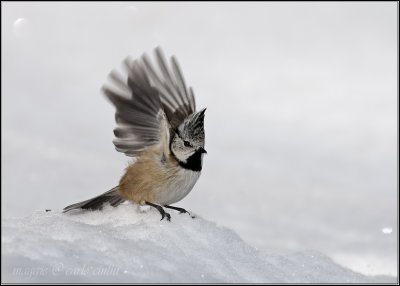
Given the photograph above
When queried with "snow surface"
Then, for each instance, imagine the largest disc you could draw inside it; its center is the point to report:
(128, 244)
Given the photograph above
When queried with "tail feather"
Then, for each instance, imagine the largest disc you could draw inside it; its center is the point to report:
(112, 196)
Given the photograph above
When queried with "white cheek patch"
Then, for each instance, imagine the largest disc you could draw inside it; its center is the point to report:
(180, 157)
(183, 154)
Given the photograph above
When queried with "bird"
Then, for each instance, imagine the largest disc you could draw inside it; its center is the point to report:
(157, 124)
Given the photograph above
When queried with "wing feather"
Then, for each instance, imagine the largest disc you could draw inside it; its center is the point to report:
(149, 102)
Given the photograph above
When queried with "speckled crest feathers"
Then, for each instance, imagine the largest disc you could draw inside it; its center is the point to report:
(193, 128)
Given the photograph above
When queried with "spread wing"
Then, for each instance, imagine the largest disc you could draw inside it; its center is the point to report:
(147, 103)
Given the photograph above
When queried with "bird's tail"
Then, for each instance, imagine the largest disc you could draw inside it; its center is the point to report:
(112, 196)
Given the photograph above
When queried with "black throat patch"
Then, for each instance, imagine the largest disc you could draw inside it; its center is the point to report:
(192, 163)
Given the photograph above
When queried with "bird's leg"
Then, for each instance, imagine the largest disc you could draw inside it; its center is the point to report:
(161, 210)
(180, 210)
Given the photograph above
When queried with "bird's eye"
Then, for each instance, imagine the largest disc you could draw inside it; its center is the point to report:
(187, 143)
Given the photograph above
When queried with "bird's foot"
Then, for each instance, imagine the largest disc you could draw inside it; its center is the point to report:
(161, 210)
(180, 210)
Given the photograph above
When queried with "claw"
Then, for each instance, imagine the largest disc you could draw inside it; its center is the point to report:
(161, 210)
(166, 215)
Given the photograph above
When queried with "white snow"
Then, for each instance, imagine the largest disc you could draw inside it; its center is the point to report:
(126, 244)
(387, 230)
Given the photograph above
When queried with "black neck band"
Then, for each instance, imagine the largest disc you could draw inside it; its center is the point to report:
(192, 163)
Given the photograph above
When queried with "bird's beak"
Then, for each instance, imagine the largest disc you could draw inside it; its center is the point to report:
(202, 150)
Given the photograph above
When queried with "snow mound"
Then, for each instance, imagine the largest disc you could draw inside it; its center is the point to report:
(126, 244)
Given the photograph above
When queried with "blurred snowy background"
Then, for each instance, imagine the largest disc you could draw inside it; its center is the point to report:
(300, 126)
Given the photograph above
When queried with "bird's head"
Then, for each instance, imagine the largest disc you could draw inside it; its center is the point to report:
(189, 137)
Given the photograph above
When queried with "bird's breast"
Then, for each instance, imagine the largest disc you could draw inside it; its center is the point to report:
(178, 186)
